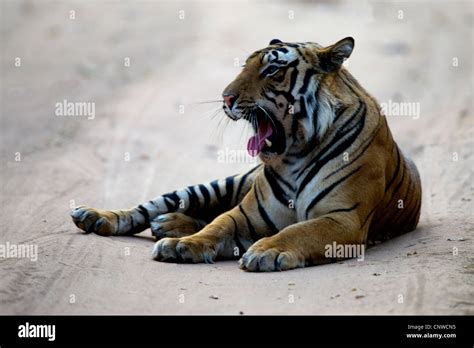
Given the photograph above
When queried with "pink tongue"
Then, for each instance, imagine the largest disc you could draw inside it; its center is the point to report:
(257, 142)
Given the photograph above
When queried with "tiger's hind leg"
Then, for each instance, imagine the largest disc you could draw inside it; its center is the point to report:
(183, 211)
(175, 225)
(101, 222)
(108, 222)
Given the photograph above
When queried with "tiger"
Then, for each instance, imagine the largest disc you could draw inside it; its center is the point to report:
(329, 172)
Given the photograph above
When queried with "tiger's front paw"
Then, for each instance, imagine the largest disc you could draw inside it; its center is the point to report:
(174, 225)
(188, 249)
(93, 220)
(268, 256)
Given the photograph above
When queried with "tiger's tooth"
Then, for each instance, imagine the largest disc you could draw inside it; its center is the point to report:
(268, 142)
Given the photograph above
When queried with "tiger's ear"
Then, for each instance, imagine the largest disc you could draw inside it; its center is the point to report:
(274, 42)
(332, 57)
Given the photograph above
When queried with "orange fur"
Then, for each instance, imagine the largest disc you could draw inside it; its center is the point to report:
(331, 172)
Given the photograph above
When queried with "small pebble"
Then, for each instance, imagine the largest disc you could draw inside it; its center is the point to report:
(456, 239)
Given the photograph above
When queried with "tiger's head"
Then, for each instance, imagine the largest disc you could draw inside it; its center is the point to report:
(279, 92)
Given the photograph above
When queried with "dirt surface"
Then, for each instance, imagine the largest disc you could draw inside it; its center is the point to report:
(49, 162)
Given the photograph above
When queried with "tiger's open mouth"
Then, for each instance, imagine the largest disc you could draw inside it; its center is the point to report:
(269, 134)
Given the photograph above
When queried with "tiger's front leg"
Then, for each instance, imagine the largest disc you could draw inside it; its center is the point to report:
(215, 240)
(306, 243)
(229, 235)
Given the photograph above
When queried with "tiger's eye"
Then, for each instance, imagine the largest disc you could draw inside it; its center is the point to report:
(271, 70)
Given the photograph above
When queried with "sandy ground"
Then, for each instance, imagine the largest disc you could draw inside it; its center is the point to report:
(49, 162)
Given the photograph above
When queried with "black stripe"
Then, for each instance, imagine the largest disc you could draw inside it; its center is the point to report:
(215, 186)
(281, 75)
(367, 217)
(345, 125)
(236, 238)
(132, 222)
(229, 190)
(340, 112)
(205, 193)
(243, 179)
(293, 77)
(271, 99)
(169, 206)
(359, 119)
(267, 69)
(288, 161)
(253, 234)
(303, 113)
(315, 112)
(282, 49)
(301, 55)
(328, 156)
(280, 179)
(397, 169)
(341, 210)
(307, 78)
(294, 127)
(278, 192)
(142, 210)
(174, 198)
(370, 140)
(311, 144)
(193, 198)
(409, 219)
(394, 217)
(264, 214)
(328, 189)
(153, 203)
(156, 205)
(287, 95)
(340, 133)
(395, 190)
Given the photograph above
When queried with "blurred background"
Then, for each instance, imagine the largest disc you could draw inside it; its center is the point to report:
(152, 70)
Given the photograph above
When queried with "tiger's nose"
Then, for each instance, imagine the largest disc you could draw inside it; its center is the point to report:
(229, 100)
